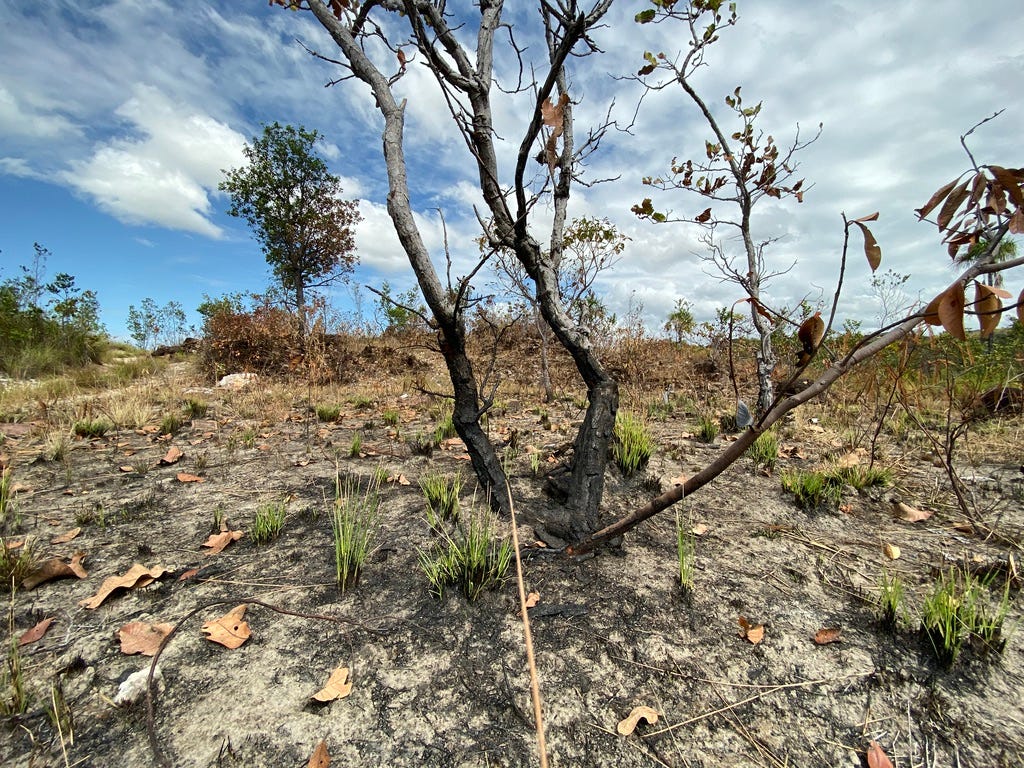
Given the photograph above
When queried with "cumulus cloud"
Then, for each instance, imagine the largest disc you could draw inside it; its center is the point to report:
(165, 173)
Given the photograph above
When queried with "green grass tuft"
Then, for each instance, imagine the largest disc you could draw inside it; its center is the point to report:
(633, 445)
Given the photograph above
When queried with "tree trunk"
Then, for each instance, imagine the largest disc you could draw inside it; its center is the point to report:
(545, 365)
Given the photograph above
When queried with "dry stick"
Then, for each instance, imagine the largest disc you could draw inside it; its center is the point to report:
(538, 714)
(154, 745)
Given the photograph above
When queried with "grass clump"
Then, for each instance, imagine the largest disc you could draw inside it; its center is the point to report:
(15, 564)
(707, 428)
(473, 560)
(441, 492)
(353, 522)
(269, 522)
(960, 611)
(13, 692)
(195, 408)
(6, 497)
(170, 424)
(90, 428)
(633, 443)
(361, 401)
(356, 446)
(328, 412)
(891, 606)
(445, 429)
(422, 444)
(863, 478)
(813, 490)
(764, 451)
(390, 417)
(686, 552)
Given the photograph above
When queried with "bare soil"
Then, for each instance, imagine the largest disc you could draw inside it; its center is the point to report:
(444, 682)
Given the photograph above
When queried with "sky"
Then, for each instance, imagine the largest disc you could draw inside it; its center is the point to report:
(118, 118)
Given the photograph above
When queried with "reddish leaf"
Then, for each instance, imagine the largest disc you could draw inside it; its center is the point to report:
(827, 635)
(1009, 183)
(185, 477)
(951, 311)
(876, 757)
(136, 576)
(702, 217)
(627, 725)
(869, 217)
(937, 198)
(910, 514)
(753, 634)
(56, 568)
(173, 455)
(989, 309)
(64, 538)
(35, 634)
(218, 541)
(338, 686)
(872, 250)
(140, 637)
(810, 334)
(1017, 222)
(320, 758)
(949, 208)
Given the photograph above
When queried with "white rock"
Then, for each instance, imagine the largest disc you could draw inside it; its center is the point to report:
(134, 686)
(238, 380)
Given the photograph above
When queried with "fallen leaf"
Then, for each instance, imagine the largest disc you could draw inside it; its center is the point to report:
(532, 599)
(827, 635)
(876, 757)
(12, 544)
(218, 541)
(64, 538)
(56, 568)
(126, 468)
(319, 758)
(185, 477)
(628, 725)
(891, 551)
(909, 514)
(753, 634)
(173, 455)
(400, 479)
(699, 529)
(136, 576)
(140, 637)
(188, 574)
(36, 633)
(852, 459)
(338, 686)
(230, 630)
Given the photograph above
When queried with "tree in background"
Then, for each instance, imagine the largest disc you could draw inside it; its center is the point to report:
(150, 325)
(680, 322)
(293, 204)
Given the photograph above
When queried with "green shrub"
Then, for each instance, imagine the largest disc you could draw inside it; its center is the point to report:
(959, 611)
(686, 552)
(707, 428)
(92, 427)
(390, 417)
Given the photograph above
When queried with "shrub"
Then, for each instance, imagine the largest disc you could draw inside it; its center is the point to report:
(707, 428)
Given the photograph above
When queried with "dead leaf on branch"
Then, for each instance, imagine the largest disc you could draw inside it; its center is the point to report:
(320, 757)
(753, 634)
(218, 541)
(140, 637)
(136, 576)
(35, 634)
(989, 308)
(230, 630)
(56, 568)
(338, 686)
(628, 725)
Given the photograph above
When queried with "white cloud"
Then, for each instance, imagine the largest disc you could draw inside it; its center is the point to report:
(166, 172)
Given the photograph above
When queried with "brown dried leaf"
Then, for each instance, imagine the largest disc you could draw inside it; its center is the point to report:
(56, 568)
(320, 758)
(703, 216)
(872, 250)
(136, 576)
(754, 634)
(35, 634)
(951, 311)
(910, 514)
(338, 686)
(1009, 183)
(553, 115)
(64, 538)
(937, 198)
(628, 725)
(827, 635)
(140, 637)
(218, 541)
(532, 599)
(173, 455)
(891, 551)
(989, 309)
(877, 757)
(869, 217)
(185, 477)
(230, 630)
(1016, 223)
(949, 208)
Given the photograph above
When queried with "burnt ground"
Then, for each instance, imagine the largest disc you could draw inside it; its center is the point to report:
(444, 682)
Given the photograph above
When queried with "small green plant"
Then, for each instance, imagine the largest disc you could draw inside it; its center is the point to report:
(219, 518)
(441, 492)
(390, 417)
(633, 444)
(686, 552)
(356, 446)
(764, 451)
(474, 560)
(170, 424)
(195, 408)
(813, 490)
(536, 462)
(92, 427)
(707, 428)
(361, 401)
(959, 611)
(140, 466)
(353, 521)
(248, 437)
(6, 497)
(13, 693)
(891, 601)
(15, 564)
(268, 523)
(328, 412)
(863, 478)
(445, 429)
(56, 445)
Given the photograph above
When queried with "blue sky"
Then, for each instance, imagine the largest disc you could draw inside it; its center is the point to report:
(117, 117)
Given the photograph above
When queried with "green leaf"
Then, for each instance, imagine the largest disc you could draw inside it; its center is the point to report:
(645, 17)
